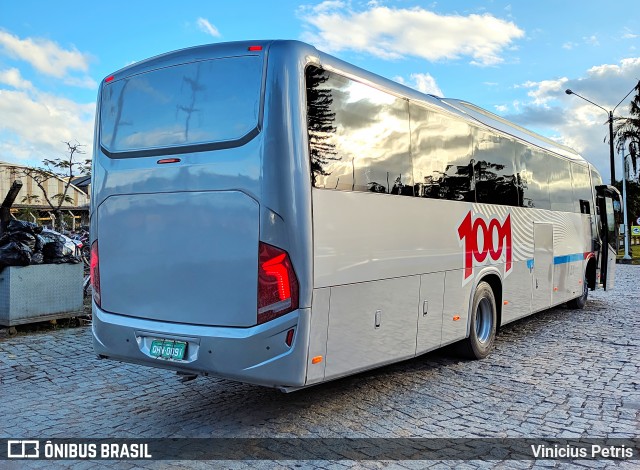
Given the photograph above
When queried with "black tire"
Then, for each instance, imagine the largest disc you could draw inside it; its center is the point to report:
(483, 319)
(579, 302)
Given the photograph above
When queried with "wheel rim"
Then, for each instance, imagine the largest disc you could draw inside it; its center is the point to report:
(484, 320)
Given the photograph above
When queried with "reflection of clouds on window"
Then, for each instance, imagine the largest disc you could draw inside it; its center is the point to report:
(366, 133)
(356, 91)
(442, 151)
(363, 139)
(560, 189)
(581, 186)
(142, 85)
(495, 169)
(200, 102)
(162, 137)
(535, 165)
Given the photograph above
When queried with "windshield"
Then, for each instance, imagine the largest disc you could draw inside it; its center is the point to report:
(190, 104)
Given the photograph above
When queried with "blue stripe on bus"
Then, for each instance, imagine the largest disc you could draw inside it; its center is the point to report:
(568, 258)
(530, 263)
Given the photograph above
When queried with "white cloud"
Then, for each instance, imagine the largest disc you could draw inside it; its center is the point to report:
(575, 122)
(628, 33)
(591, 40)
(501, 108)
(544, 91)
(39, 123)
(45, 56)
(205, 26)
(394, 33)
(82, 82)
(329, 5)
(422, 82)
(33, 123)
(13, 78)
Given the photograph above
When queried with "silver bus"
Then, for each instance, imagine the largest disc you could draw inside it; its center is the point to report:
(265, 212)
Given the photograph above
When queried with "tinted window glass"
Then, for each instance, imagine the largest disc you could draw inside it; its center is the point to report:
(582, 194)
(358, 136)
(611, 222)
(495, 173)
(442, 149)
(200, 102)
(560, 189)
(533, 177)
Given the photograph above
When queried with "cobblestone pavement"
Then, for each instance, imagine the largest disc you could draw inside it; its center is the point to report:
(561, 373)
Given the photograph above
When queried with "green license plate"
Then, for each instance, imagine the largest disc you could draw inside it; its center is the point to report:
(168, 349)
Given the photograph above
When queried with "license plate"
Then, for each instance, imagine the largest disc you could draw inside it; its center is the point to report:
(168, 349)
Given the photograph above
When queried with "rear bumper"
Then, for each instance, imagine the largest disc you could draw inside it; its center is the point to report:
(257, 355)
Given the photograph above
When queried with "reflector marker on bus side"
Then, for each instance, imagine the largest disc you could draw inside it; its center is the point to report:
(316, 360)
(168, 160)
(289, 340)
(456, 317)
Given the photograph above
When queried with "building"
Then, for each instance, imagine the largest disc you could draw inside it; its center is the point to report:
(31, 204)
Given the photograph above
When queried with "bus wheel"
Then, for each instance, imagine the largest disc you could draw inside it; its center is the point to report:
(483, 324)
(580, 302)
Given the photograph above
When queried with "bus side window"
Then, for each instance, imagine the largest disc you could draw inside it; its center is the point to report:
(584, 207)
(358, 136)
(495, 172)
(534, 177)
(582, 191)
(442, 153)
(560, 187)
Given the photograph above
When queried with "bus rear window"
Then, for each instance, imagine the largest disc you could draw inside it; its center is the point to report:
(202, 102)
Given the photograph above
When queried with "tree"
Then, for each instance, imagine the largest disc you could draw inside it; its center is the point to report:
(62, 169)
(627, 131)
(321, 121)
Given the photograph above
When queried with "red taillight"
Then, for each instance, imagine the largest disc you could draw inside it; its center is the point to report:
(277, 283)
(95, 273)
(109, 79)
(255, 48)
(276, 269)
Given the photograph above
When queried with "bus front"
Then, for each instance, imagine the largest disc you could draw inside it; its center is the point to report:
(200, 260)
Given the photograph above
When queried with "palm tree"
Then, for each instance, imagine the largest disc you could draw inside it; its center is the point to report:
(627, 130)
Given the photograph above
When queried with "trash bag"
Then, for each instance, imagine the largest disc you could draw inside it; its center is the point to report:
(57, 253)
(26, 238)
(71, 259)
(14, 254)
(22, 226)
(39, 243)
(37, 258)
(53, 251)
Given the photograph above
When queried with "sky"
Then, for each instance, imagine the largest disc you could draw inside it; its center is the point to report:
(514, 58)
